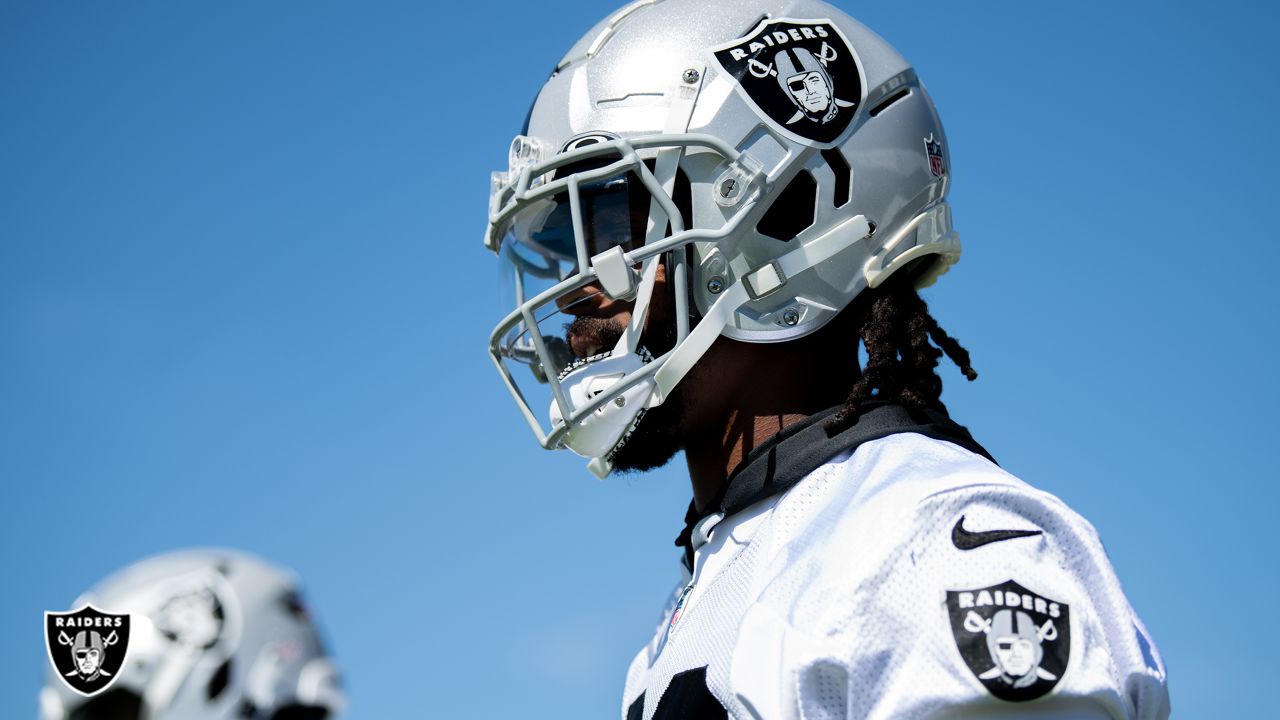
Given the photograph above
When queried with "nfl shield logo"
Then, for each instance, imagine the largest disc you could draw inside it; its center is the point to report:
(799, 75)
(933, 150)
(87, 647)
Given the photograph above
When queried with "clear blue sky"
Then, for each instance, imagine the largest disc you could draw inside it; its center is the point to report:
(244, 302)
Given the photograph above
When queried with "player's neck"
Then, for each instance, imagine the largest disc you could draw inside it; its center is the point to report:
(713, 460)
(742, 394)
(756, 391)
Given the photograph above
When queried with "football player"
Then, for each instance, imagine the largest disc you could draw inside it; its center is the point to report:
(214, 635)
(712, 205)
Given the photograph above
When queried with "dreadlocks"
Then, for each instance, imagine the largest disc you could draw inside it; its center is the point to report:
(896, 330)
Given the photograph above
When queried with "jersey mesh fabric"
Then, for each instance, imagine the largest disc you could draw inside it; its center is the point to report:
(702, 631)
(836, 606)
(824, 691)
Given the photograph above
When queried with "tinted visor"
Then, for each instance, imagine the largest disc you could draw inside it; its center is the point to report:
(614, 212)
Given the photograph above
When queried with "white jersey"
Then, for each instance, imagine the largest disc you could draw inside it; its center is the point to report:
(907, 578)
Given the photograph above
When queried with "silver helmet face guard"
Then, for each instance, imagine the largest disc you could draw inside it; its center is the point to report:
(547, 233)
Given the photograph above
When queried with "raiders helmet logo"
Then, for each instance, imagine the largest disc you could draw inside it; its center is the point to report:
(801, 75)
(1015, 641)
(87, 647)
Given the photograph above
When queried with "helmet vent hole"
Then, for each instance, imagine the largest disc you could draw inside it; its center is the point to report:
(221, 678)
(885, 103)
(843, 191)
(794, 209)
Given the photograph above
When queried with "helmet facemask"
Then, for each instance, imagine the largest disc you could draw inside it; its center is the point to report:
(594, 225)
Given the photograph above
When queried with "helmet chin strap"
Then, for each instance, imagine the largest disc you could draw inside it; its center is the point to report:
(598, 433)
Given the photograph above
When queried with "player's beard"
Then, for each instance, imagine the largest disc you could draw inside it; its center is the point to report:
(657, 437)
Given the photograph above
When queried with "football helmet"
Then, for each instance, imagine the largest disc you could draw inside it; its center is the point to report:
(215, 634)
(773, 157)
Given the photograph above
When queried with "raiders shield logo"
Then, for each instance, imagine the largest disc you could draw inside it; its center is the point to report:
(801, 75)
(87, 647)
(1015, 641)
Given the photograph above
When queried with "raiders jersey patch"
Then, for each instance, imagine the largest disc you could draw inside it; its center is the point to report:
(1015, 641)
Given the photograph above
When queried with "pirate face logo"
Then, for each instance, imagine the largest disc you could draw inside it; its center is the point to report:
(87, 650)
(87, 647)
(1015, 645)
(811, 91)
(808, 83)
(800, 75)
(1015, 641)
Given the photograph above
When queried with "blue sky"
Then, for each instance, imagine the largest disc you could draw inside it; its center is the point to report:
(243, 302)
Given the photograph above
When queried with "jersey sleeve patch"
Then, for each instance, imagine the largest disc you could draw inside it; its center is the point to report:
(1015, 641)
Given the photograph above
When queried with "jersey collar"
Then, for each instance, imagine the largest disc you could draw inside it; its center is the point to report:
(782, 461)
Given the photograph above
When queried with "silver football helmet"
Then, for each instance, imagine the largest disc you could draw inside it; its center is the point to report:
(215, 634)
(773, 157)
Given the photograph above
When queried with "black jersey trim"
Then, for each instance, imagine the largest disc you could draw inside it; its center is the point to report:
(782, 461)
(689, 698)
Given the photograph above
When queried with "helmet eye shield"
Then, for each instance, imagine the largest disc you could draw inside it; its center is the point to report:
(614, 212)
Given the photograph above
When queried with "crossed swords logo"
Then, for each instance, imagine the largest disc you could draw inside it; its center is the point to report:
(763, 70)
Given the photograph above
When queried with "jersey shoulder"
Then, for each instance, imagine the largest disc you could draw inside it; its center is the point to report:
(912, 562)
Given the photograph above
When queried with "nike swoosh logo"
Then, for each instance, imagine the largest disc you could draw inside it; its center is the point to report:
(965, 540)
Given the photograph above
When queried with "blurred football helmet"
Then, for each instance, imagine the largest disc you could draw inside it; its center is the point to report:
(215, 634)
(774, 157)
